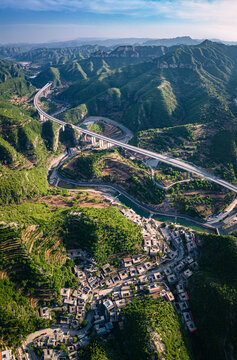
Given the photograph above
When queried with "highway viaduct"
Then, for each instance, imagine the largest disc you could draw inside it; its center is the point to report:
(110, 142)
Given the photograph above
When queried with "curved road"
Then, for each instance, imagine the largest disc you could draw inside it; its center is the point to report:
(163, 158)
(144, 207)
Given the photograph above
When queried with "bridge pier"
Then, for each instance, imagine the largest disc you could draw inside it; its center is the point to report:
(109, 145)
(101, 143)
(93, 140)
(42, 117)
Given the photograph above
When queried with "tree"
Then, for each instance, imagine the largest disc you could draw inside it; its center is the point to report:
(74, 339)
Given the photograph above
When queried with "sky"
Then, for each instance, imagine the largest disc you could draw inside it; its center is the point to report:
(36, 21)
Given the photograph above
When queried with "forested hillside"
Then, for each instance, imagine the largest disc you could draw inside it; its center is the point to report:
(153, 327)
(26, 148)
(151, 330)
(188, 85)
(214, 299)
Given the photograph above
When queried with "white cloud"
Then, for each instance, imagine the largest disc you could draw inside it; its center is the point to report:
(218, 11)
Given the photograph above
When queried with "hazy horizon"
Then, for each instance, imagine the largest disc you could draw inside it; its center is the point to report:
(41, 21)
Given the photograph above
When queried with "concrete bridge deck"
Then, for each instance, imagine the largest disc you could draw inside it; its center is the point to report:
(163, 158)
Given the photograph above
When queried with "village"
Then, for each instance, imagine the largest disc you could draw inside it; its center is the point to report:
(162, 269)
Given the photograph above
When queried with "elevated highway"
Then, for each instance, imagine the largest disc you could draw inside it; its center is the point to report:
(163, 158)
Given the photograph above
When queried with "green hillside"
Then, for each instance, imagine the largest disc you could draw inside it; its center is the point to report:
(76, 68)
(151, 326)
(18, 86)
(17, 317)
(53, 56)
(213, 292)
(103, 232)
(9, 69)
(151, 330)
(33, 255)
(26, 147)
(188, 85)
(33, 267)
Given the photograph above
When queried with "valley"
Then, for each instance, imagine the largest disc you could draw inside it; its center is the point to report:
(82, 275)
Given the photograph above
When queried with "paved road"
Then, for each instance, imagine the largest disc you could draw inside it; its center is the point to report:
(127, 133)
(163, 158)
(163, 187)
(129, 197)
(50, 331)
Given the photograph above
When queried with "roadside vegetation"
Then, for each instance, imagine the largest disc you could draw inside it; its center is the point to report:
(197, 198)
(114, 167)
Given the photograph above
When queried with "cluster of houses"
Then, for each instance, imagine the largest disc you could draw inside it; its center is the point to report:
(50, 345)
(153, 243)
(162, 269)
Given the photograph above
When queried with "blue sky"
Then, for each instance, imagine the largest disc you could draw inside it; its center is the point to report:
(49, 20)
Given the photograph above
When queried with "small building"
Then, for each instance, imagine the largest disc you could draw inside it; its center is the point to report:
(183, 296)
(127, 262)
(48, 354)
(180, 288)
(126, 291)
(187, 316)
(72, 309)
(6, 355)
(120, 303)
(140, 269)
(123, 274)
(116, 278)
(108, 304)
(189, 260)
(168, 271)
(109, 282)
(154, 287)
(183, 305)
(147, 265)
(65, 292)
(158, 276)
(171, 278)
(44, 312)
(154, 251)
(133, 271)
(106, 269)
(169, 296)
(187, 273)
(136, 259)
(191, 326)
(73, 253)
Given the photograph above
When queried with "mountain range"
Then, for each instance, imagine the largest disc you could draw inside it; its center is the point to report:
(178, 99)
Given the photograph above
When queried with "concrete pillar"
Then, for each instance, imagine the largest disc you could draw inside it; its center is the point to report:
(101, 143)
(109, 145)
(42, 118)
(93, 140)
(85, 137)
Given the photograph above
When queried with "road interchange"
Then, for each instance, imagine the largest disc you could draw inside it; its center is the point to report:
(163, 158)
